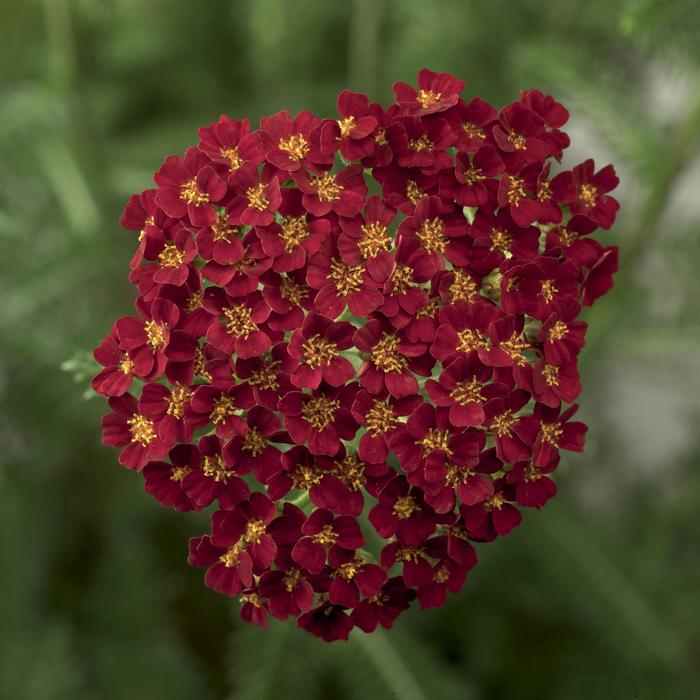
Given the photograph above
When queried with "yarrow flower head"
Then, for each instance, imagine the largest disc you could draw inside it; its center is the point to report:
(357, 338)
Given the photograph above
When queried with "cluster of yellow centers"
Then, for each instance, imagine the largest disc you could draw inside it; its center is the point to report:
(215, 468)
(223, 408)
(380, 418)
(232, 157)
(456, 474)
(327, 187)
(470, 339)
(178, 472)
(296, 147)
(413, 192)
(472, 175)
(405, 507)
(253, 442)
(351, 471)
(375, 239)
(254, 531)
(385, 355)
(142, 430)
(126, 365)
(515, 191)
(267, 376)
(346, 126)
(551, 433)
(551, 375)
(402, 279)
(502, 424)
(515, 348)
(155, 335)
(431, 235)
(557, 331)
(467, 392)
(291, 291)
(428, 98)
(239, 321)
(221, 230)
(304, 476)
(463, 287)
(472, 130)
(548, 290)
(326, 536)
(422, 143)
(588, 194)
(179, 396)
(257, 198)
(293, 231)
(346, 278)
(190, 193)
(435, 440)
(319, 411)
(318, 351)
(518, 141)
(500, 240)
(349, 569)
(171, 255)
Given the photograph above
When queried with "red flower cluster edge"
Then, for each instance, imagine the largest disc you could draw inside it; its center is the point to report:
(358, 338)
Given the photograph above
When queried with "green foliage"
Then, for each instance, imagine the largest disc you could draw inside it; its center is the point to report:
(598, 595)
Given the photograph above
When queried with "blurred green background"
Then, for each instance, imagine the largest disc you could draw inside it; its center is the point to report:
(599, 596)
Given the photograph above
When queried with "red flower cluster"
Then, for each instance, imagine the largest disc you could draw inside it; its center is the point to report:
(361, 385)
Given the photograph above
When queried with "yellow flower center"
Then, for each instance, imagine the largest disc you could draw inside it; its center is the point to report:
(231, 155)
(305, 476)
(179, 396)
(435, 441)
(231, 556)
(472, 130)
(319, 412)
(516, 190)
(588, 194)
(296, 146)
(375, 239)
(516, 140)
(291, 580)
(221, 231)
(253, 442)
(155, 335)
(291, 291)
(351, 472)
(551, 375)
(502, 424)
(142, 430)
(405, 507)
(413, 192)
(500, 240)
(380, 418)
(171, 255)
(467, 392)
(126, 365)
(463, 287)
(346, 126)
(256, 197)
(431, 234)
(347, 279)
(327, 188)
(469, 340)
(266, 376)
(515, 348)
(190, 193)
(239, 323)
(223, 408)
(215, 468)
(422, 143)
(294, 231)
(385, 355)
(428, 98)
(327, 536)
(178, 473)
(254, 530)
(548, 290)
(557, 331)
(318, 351)
(551, 432)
